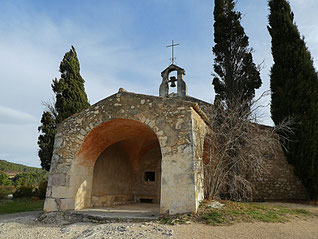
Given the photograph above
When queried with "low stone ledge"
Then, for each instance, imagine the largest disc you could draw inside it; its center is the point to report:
(68, 217)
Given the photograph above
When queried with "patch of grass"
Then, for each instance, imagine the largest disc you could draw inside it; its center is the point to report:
(215, 218)
(176, 219)
(20, 205)
(302, 211)
(247, 212)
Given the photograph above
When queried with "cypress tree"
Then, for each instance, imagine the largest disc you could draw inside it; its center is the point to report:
(236, 76)
(294, 87)
(69, 89)
(235, 80)
(46, 139)
(70, 99)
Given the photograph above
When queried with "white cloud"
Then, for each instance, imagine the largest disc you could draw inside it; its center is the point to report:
(12, 116)
(32, 47)
(18, 143)
(4, 156)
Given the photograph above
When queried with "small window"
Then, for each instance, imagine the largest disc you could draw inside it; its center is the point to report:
(150, 176)
(146, 200)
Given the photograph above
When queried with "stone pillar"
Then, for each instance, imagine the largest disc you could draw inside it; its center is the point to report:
(164, 87)
(182, 87)
(178, 182)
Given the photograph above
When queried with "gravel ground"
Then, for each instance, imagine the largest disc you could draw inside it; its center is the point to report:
(25, 225)
(298, 229)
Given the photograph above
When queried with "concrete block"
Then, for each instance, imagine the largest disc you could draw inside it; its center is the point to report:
(58, 180)
(50, 205)
(67, 204)
(63, 192)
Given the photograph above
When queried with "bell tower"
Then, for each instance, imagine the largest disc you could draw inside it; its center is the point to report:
(181, 85)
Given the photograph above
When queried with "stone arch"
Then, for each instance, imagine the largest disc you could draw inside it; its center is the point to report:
(170, 121)
(129, 141)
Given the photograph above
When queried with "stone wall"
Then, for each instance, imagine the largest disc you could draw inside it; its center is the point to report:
(200, 129)
(148, 190)
(279, 181)
(112, 178)
(119, 179)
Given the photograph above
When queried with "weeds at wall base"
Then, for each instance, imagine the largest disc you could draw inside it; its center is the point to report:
(237, 212)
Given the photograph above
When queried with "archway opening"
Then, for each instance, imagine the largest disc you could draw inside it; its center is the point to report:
(125, 158)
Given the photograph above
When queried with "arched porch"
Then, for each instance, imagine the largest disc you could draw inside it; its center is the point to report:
(120, 162)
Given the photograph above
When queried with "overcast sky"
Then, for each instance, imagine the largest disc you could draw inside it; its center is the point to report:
(119, 44)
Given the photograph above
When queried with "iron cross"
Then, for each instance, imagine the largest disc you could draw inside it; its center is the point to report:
(172, 52)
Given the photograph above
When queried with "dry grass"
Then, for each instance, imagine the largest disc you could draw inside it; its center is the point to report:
(235, 212)
(315, 202)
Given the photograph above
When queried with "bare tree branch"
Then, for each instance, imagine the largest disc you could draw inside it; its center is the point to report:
(237, 147)
(50, 106)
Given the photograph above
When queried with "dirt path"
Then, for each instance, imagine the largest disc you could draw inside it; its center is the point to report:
(13, 216)
(311, 208)
(298, 229)
(24, 225)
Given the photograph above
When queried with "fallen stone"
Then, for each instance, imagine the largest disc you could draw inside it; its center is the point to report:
(216, 205)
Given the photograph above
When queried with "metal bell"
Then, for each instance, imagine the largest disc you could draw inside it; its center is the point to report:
(173, 80)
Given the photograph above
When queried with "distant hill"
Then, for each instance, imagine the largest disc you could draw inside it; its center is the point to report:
(14, 168)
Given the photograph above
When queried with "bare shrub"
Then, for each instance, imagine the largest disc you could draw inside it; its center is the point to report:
(235, 150)
(50, 106)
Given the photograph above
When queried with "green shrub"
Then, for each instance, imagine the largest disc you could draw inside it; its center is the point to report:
(5, 191)
(24, 191)
(4, 179)
(41, 190)
(27, 179)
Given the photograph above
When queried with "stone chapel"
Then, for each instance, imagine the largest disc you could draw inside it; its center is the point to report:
(139, 148)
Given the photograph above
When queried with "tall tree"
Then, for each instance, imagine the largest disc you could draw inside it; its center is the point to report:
(294, 86)
(46, 139)
(236, 76)
(69, 89)
(70, 99)
(235, 80)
